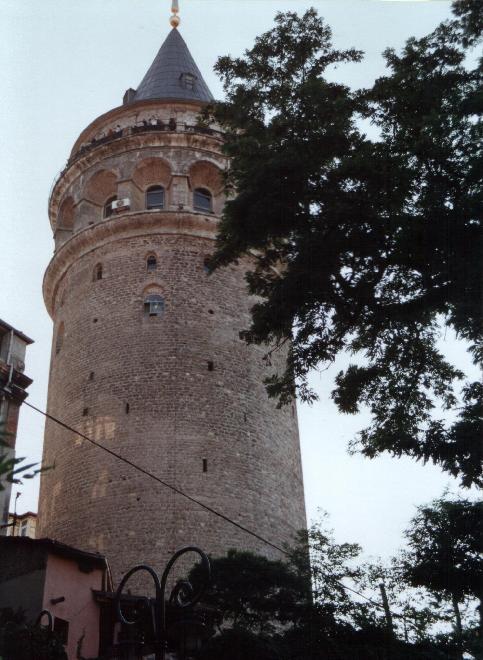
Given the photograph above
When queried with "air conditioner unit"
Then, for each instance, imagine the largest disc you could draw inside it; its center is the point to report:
(121, 204)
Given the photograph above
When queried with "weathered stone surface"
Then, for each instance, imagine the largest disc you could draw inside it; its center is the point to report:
(179, 394)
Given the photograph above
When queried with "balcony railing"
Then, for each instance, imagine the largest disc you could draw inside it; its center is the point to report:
(144, 126)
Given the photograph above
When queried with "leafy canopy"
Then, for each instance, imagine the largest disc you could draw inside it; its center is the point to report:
(446, 549)
(362, 245)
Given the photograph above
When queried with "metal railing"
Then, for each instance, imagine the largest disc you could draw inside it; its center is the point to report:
(145, 126)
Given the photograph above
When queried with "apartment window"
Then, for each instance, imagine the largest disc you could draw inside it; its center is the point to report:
(61, 629)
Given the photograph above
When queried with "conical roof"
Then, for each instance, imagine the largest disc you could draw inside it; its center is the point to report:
(173, 74)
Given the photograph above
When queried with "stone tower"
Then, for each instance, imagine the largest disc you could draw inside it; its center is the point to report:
(146, 356)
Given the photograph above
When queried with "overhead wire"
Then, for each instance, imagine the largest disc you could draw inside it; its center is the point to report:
(156, 478)
(178, 491)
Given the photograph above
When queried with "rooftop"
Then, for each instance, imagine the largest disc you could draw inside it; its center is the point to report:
(56, 548)
(173, 74)
(9, 328)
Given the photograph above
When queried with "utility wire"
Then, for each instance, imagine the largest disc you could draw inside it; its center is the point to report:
(153, 476)
(192, 499)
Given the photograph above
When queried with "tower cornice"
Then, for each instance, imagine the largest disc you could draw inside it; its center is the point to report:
(135, 107)
(125, 226)
(207, 143)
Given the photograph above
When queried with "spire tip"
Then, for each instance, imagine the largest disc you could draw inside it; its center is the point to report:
(174, 20)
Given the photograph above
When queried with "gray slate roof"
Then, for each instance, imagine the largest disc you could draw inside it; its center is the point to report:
(164, 79)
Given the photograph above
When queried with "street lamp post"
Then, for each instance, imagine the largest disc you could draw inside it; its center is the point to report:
(183, 595)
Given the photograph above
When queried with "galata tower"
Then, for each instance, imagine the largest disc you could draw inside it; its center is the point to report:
(146, 355)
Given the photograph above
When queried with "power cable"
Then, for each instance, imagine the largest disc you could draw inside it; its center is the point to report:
(156, 478)
(193, 499)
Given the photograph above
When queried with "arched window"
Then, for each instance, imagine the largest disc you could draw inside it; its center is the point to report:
(155, 197)
(151, 263)
(108, 206)
(202, 200)
(60, 338)
(97, 275)
(153, 304)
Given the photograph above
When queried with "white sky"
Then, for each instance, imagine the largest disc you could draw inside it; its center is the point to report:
(65, 63)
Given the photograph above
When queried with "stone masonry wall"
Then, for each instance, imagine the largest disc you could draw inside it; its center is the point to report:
(179, 394)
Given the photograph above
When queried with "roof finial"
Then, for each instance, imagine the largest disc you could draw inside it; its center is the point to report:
(174, 20)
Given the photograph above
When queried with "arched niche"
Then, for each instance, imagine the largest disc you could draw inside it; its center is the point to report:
(101, 186)
(65, 219)
(152, 171)
(204, 174)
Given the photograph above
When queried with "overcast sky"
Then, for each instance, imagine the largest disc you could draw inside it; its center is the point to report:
(65, 63)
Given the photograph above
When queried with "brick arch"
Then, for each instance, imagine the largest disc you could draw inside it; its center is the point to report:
(152, 171)
(204, 174)
(153, 287)
(65, 218)
(101, 186)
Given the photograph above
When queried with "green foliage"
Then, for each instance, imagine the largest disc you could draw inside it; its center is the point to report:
(446, 558)
(251, 592)
(13, 469)
(240, 644)
(22, 641)
(446, 546)
(360, 245)
(332, 567)
(268, 609)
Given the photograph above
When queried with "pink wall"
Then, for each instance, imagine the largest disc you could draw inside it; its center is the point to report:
(63, 578)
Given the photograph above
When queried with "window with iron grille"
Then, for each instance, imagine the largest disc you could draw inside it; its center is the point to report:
(153, 304)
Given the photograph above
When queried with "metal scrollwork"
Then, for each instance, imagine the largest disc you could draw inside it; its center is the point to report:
(183, 595)
(50, 618)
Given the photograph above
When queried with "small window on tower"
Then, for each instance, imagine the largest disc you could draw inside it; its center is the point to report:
(188, 80)
(155, 197)
(98, 272)
(60, 338)
(108, 210)
(153, 304)
(202, 200)
(151, 263)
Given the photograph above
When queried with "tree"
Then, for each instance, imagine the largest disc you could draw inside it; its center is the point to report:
(358, 245)
(250, 592)
(271, 609)
(13, 469)
(20, 640)
(445, 554)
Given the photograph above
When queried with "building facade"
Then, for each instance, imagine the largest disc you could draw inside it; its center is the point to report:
(146, 356)
(39, 575)
(13, 386)
(22, 524)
